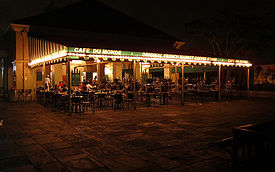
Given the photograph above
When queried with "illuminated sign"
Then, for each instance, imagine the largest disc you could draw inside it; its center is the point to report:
(82, 50)
(151, 55)
(75, 53)
(104, 51)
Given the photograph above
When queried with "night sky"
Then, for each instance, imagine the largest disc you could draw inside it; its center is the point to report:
(172, 17)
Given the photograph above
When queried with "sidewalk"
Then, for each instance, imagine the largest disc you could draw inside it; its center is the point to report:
(173, 138)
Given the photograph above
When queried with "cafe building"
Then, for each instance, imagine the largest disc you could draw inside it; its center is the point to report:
(90, 42)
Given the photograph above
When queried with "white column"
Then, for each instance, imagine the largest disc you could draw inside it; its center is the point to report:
(220, 82)
(182, 84)
(114, 70)
(98, 73)
(138, 73)
(134, 73)
(204, 73)
(247, 83)
(141, 72)
(69, 86)
(167, 73)
(247, 79)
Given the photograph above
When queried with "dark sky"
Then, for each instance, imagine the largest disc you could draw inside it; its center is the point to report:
(162, 14)
(171, 15)
(167, 15)
(14, 9)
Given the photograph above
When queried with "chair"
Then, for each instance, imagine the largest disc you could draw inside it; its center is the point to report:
(84, 100)
(49, 98)
(28, 93)
(156, 99)
(109, 101)
(76, 104)
(165, 98)
(20, 94)
(129, 99)
(87, 101)
(147, 99)
(101, 100)
(227, 93)
(92, 101)
(62, 102)
(38, 96)
(118, 101)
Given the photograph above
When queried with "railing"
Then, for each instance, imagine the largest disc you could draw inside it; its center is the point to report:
(251, 148)
(118, 99)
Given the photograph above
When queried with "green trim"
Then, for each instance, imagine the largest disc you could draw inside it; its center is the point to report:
(146, 54)
(73, 57)
(86, 58)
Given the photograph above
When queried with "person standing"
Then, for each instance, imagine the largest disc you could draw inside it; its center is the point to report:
(47, 83)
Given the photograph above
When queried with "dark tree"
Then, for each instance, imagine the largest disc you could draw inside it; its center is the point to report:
(233, 34)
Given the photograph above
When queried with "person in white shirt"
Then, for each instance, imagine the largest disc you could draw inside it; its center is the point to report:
(89, 87)
(47, 83)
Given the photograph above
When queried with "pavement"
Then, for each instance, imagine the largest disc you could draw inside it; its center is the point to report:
(167, 138)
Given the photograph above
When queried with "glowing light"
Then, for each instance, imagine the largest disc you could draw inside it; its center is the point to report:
(223, 63)
(107, 71)
(244, 64)
(145, 65)
(77, 61)
(76, 54)
(145, 57)
(48, 58)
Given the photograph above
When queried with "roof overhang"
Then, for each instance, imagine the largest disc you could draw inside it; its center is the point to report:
(76, 53)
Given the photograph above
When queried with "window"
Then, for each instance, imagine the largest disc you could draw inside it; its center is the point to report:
(39, 76)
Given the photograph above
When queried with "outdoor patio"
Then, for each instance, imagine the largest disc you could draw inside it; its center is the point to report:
(176, 138)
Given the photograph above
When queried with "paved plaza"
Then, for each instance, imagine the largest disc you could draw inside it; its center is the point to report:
(167, 138)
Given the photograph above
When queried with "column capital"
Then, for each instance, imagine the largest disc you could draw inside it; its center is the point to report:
(20, 27)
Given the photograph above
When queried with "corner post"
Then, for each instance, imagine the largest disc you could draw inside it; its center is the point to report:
(182, 84)
(220, 69)
(134, 73)
(98, 81)
(247, 84)
(69, 86)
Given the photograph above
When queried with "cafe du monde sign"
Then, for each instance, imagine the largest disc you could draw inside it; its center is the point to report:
(96, 51)
(147, 54)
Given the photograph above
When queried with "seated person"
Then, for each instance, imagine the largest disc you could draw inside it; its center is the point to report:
(89, 87)
(59, 84)
(65, 88)
(84, 87)
(107, 86)
(63, 84)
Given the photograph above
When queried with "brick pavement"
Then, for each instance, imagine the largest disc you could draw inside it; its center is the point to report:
(173, 138)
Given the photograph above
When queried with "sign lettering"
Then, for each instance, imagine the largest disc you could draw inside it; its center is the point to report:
(82, 50)
(152, 55)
